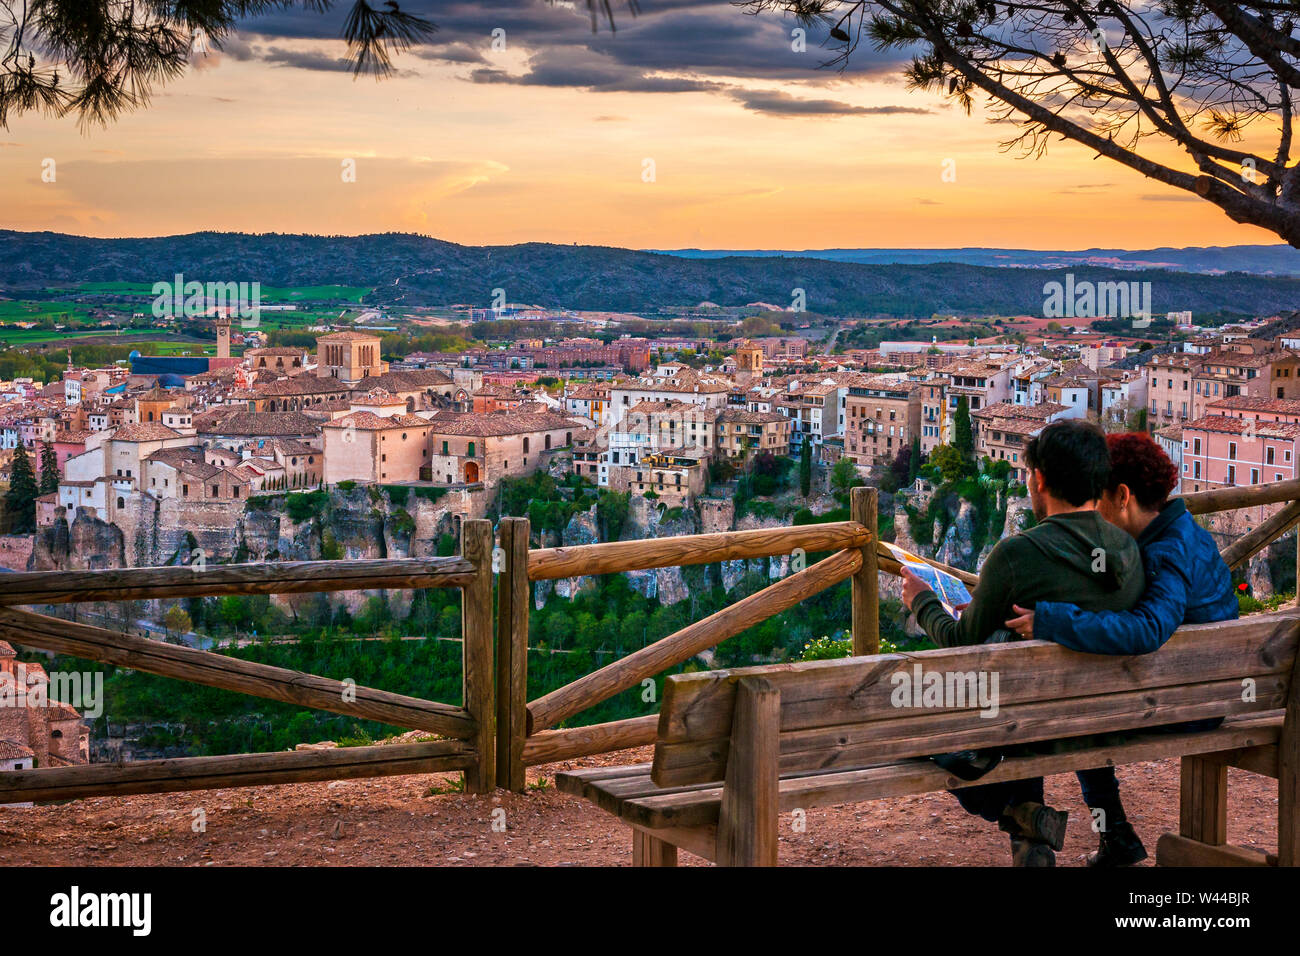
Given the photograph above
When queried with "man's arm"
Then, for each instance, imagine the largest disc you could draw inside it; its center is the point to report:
(1142, 630)
(987, 609)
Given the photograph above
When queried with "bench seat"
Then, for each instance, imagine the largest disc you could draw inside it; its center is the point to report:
(736, 748)
(628, 792)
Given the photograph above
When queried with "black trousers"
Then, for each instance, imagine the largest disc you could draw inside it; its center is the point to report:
(989, 800)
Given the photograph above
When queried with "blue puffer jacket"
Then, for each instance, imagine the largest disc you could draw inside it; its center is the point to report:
(1187, 583)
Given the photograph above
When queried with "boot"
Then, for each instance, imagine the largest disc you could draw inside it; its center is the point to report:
(1119, 846)
(1037, 822)
(1026, 851)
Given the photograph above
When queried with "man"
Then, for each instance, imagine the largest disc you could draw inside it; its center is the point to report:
(1071, 554)
(1186, 583)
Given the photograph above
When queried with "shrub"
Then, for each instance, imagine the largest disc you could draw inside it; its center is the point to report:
(304, 505)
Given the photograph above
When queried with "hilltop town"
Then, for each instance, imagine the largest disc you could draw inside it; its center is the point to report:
(174, 452)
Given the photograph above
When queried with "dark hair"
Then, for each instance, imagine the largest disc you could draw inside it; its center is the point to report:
(1072, 458)
(1137, 461)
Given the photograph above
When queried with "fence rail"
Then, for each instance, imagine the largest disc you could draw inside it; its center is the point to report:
(472, 725)
(496, 733)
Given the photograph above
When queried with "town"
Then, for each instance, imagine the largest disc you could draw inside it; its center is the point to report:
(181, 446)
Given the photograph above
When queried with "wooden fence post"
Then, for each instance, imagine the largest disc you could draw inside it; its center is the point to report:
(479, 683)
(866, 582)
(513, 595)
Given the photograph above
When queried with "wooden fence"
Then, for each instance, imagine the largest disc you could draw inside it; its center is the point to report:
(469, 729)
(496, 732)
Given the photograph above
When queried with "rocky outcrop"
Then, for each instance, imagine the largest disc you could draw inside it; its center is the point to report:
(87, 544)
(958, 543)
(581, 529)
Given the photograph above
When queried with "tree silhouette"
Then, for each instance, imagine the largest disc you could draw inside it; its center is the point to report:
(101, 58)
(1195, 74)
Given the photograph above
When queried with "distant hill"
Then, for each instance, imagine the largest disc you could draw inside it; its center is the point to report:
(1282, 260)
(418, 270)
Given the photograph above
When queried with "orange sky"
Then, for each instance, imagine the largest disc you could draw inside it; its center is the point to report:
(249, 146)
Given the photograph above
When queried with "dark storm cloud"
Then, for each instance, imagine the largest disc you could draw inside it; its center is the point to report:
(305, 60)
(783, 104)
(707, 38)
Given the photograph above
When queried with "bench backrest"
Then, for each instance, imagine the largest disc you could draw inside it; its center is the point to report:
(859, 711)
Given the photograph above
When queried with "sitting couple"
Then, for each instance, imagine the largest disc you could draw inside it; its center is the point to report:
(1077, 578)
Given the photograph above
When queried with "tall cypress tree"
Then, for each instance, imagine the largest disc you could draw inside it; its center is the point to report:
(20, 499)
(963, 439)
(805, 467)
(49, 470)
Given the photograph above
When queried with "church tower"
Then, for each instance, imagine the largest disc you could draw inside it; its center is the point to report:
(223, 336)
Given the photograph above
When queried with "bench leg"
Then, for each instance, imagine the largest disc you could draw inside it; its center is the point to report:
(1202, 816)
(1288, 777)
(747, 819)
(649, 850)
(1203, 801)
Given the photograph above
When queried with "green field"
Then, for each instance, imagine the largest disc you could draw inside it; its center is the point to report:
(272, 295)
(15, 337)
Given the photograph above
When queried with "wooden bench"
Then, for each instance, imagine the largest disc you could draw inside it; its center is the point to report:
(737, 748)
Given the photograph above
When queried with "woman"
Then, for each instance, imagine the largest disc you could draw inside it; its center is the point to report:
(1186, 583)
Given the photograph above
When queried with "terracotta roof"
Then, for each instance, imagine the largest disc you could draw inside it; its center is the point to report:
(742, 416)
(244, 423)
(369, 421)
(1223, 424)
(13, 750)
(348, 337)
(499, 424)
(1277, 406)
(6, 650)
(150, 431)
(1040, 412)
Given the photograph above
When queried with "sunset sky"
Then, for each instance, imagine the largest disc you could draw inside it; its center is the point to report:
(753, 146)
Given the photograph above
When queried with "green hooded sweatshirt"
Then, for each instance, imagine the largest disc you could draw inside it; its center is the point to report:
(1077, 557)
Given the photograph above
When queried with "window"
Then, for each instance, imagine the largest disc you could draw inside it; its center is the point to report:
(1268, 455)
(1254, 476)
(1232, 450)
(1232, 474)
(215, 490)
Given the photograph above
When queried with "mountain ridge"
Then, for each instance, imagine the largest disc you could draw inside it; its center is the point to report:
(408, 269)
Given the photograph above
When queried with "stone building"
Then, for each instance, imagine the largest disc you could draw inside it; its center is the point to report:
(34, 730)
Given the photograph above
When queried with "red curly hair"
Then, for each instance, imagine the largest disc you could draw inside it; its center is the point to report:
(1137, 461)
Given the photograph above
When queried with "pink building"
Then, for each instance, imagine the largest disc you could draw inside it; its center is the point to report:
(1241, 441)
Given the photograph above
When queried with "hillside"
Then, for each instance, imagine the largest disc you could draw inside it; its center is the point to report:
(418, 270)
(1278, 259)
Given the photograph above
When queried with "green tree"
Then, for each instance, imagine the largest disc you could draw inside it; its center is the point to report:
(952, 466)
(844, 476)
(177, 621)
(963, 438)
(49, 470)
(20, 499)
(805, 467)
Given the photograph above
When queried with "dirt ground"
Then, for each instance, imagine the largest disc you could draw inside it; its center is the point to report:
(406, 821)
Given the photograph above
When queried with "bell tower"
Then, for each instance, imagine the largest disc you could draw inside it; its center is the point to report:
(223, 336)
